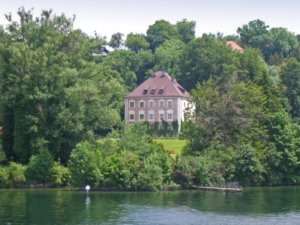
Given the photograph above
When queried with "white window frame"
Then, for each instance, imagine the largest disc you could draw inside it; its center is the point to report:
(151, 112)
(170, 112)
(142, 101)
(131, 113)
(168, 103)
(141, 112)
(161, 103)
(149, 104)
(131, 101)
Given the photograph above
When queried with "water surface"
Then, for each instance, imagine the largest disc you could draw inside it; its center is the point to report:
(279, 205)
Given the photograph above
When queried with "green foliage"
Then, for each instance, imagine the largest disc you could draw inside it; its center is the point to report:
(286, 160)
(52, 91)
(137, 42)
(116, 41)
(39, 168)
(223, 112)
(199, 170)
(186, 30)
(167, 56)
(60, 175)
(131, 161)
(205, 58)
(85, 165)
(160, 32)
(291, 79)
(150, 178)
(4, 177)
(249, 166)
(12, 175)
(252, 34)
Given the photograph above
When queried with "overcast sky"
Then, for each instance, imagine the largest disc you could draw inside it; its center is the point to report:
(110, 16)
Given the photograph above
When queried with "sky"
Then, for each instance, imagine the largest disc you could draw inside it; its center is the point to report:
(106, 17)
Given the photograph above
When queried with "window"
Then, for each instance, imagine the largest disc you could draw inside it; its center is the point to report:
(161, 103)
(142, 104)
(170, 116)
(145, 91)
(161, 116)
(161, 91)
(151, 116)
(131, 117)
(153, 91)
(142, 117)
(170, 103)
(151, 104)
(131, 104)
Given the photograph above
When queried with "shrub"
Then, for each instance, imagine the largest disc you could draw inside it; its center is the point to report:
(39, 168)
(150, 178)
(60, 175)
(121, 169)
(4, 176)
(16, 174)
(85, 165)
(12, 175)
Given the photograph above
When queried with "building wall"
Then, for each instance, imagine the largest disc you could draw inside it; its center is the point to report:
(156, 109)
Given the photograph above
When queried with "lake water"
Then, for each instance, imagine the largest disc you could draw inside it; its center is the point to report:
(267, 206)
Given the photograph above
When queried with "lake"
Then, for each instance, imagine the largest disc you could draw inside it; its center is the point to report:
(277, 205)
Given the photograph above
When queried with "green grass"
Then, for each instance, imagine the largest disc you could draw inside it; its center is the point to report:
(174, 145)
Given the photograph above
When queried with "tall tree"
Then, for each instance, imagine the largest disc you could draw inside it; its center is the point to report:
(186, 30)
(160, 32)
(116, 41)
(291, 79)
(167, 56)
(137, 42)
(278, 45)
(205, 58)
(53, 93)
(224, 111)
(252, 34)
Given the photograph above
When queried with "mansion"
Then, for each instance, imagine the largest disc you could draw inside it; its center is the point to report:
(159, 98)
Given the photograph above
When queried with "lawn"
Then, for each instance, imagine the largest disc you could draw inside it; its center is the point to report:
(175, 145)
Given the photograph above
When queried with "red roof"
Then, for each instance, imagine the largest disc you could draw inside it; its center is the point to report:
(160, 84)
(234, 46)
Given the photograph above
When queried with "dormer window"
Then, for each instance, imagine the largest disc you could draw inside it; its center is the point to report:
(145, 91)
(153, 91)
(161, 91)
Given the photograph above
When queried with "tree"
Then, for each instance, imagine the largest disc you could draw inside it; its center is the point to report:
(160, 32)
(167, 56)
(279, 45)
(252, 34)
(116, 41)
(205, 58)
(290, 75)
(252, 64)
(186, 30)
(121, 63)
(40, 167)
(137, 42)
(225, 112)
(284, 134)
(53, 94)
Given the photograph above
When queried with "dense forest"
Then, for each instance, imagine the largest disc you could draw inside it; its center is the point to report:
(62, 103)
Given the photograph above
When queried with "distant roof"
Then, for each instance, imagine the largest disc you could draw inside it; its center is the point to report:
(160, 84)
(234, 46)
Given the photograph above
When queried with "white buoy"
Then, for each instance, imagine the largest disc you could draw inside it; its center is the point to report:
(87, 188)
